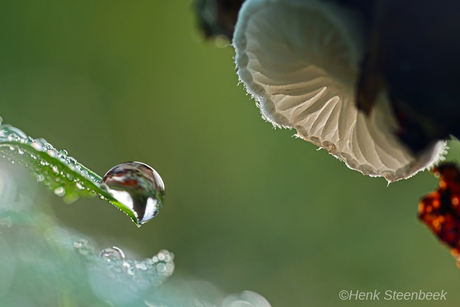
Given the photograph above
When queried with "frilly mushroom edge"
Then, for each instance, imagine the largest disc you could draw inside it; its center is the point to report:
(300, 60)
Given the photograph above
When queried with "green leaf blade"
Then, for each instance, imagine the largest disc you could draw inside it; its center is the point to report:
(62, 174)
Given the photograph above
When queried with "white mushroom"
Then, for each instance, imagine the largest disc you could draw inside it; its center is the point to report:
(300, 60)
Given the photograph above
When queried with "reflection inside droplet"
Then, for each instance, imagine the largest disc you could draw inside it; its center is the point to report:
(137, 186)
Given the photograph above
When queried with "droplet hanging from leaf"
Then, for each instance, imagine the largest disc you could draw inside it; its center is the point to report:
(138, 186)
(66, 177)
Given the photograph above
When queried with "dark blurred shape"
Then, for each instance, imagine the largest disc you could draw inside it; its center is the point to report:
(217, 17)
(440, 210)
(413, 55)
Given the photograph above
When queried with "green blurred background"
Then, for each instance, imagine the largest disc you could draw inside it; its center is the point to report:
(247, 207)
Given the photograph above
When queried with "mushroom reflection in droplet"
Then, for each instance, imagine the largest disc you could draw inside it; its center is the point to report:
(137, 186)
(302, 61)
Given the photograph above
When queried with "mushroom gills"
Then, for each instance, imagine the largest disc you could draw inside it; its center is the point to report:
(300, 60)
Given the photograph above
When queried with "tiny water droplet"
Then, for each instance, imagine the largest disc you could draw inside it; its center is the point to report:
(80, 243)
(137, 186)
(20, 151)
(59, 191)
(169, 268)
(63, 156)
(129, 269)
(37, 145)
(56, 169)
(83, 247)
(78, 184)
(161, 267)
(52, 153)
(11, 133)
(40, 178)
(43, 142)
(112, 253)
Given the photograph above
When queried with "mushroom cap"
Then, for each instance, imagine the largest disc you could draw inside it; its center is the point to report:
(300, 60)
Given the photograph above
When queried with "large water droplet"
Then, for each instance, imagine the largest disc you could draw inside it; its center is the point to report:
(137, 186)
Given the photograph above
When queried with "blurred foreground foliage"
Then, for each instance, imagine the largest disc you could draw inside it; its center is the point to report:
(43, 264)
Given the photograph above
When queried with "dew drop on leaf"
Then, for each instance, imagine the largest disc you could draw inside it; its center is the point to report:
(60, 191)
(52, 153)
(37, 145)
(137, 186)
(134, 188)
(112, 253)
(11, 133)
